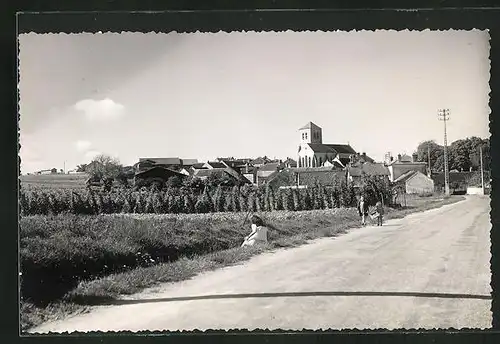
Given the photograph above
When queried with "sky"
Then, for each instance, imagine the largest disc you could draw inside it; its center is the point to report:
(206, 95)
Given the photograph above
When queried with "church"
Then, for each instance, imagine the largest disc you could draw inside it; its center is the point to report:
(314, 153)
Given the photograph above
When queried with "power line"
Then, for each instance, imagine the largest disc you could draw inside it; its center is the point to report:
(444, 115)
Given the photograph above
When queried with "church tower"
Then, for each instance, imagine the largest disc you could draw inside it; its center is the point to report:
(310, 133)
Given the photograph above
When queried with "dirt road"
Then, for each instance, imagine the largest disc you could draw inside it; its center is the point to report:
(428, 270)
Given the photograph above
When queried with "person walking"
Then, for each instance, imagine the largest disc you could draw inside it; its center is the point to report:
(380, 213)
(363, 210)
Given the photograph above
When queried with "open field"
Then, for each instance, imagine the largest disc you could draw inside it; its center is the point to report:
(91, 259)
(54, 181)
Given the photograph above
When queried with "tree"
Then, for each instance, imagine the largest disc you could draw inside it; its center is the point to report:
(81, 168)
(435, 151)
(104, 167)
(174, 182)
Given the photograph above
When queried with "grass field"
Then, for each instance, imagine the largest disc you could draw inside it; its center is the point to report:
(202, 242)
(54, 181)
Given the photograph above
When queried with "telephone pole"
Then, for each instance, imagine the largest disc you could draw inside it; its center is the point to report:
(429, 158)
(444, 115)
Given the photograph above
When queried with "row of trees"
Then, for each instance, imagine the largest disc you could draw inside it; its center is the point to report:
(184, 200)
(463, 155)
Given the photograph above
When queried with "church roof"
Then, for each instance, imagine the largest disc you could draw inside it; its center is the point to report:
(309, 126)
(331, 148)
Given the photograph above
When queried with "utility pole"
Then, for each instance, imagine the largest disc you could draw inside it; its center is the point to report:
(444, 115)
(429, 158)
(482, 171)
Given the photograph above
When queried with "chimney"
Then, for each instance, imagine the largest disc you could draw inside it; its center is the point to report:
(364, 155)
(391, 158)
(399, 157)
(414, 157)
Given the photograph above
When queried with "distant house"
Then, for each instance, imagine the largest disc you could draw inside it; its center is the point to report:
(334, 163)
(214, 164)
(266, 170)
(290, 163)
(403, 164)
(356, 172)
(260, 161)
(155, 174)
(48, 171)
(415, 182)
(188, 162)
(312, 152)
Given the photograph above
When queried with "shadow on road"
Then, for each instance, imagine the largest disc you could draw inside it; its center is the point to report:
(107, 301)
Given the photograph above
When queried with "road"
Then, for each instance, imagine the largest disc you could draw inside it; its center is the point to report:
(428, 270)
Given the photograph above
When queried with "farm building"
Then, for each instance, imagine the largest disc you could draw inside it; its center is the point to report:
(404, 164)
(415, 182)
(156, 174)
(313, 152)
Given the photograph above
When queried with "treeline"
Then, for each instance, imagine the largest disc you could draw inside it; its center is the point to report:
(186, 200)
(463, 155)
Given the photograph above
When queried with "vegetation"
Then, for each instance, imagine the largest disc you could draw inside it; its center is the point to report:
(463, 155)
(187, 200)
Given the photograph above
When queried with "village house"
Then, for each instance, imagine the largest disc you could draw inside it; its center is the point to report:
(404, 164)
(312, 152)
(267, 170)
(260, 161)
(214, 164)
(415, 182)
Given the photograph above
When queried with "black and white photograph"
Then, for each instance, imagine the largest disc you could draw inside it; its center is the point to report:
(254, 180)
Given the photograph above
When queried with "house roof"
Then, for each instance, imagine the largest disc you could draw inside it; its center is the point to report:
(342, 148)
(189, 162)
(216, 164)
(321, 148)
(272, 166)
(207, 172)
(158, 170)
(161, 161)
(405, 176)
(259, 161)
(371, 169)
(198, 166)
(398, 162)
(309, 126)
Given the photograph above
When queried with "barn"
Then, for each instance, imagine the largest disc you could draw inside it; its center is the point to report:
(415, 182)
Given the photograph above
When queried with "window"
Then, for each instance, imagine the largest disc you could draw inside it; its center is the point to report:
(320, 161)
(306, 136)
(303, 136)
(309, 165)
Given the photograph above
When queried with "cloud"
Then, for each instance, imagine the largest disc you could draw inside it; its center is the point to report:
(100, 110)
(92, 154)
(82, 145)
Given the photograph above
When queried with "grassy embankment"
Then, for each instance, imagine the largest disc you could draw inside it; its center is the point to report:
(156, 249)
